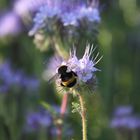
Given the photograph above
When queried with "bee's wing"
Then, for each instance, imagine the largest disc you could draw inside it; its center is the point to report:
(56, 76)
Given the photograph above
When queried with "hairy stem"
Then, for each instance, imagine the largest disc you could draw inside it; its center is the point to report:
(83, 116)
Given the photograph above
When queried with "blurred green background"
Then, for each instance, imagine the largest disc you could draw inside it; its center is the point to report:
(118, 82)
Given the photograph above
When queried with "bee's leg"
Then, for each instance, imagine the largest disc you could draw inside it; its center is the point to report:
(62, 85)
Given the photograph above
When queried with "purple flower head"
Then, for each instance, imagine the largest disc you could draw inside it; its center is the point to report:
(17, 77)
(10, 78)
(123, 110)
(84, 68)
(128, 122)
(38, 119)
(9, 24)
(133, 122)
(69, 19)
(30, 83)
(124, 118)
(23, 7)
(68, 12)
(90, 13)
(6, 75)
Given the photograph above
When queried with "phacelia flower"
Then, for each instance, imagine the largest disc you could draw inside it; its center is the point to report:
(124, 118)
(24, 7)
(42, 117)
(127, 122)
(83, 69)
(10, 78)
(37, 119)
(69, 13)
(123, 111)
(9, 24)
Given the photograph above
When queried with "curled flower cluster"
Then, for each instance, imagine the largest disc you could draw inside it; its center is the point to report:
(84, 68)
(68, 12)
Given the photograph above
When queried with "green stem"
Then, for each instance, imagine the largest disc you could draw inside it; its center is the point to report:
(83, 116)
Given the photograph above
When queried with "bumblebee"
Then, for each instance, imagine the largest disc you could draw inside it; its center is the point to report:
(68, 79)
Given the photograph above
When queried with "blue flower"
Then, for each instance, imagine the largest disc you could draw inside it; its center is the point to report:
(41, 19)
(9, 24)
(10, 78)
(92, 14)
(124, 118)
(69, 19)
(84, 68)
(38, 119)
(123, 110)
(30, 83)
(23, 7)
(68, 12)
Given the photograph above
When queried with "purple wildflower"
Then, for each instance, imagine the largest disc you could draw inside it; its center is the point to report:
(128, 122)
(30, 83)
(68, 12)
(9, 24)
(42, 117)
(10, 78)
(123, 110)
(23, 7)
(125, 119)
(38, 119)
(85, 68)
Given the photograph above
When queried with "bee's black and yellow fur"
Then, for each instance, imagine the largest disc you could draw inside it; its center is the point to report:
(68, 79)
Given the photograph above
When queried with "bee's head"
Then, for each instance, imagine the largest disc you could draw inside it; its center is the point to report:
(62, 69)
